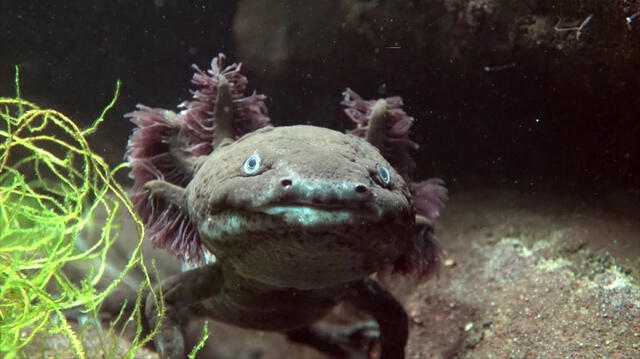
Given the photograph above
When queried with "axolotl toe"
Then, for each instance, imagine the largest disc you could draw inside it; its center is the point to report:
(297, 217)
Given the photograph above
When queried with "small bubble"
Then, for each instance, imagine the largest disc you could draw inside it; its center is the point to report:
(382, 89)
(449, 262)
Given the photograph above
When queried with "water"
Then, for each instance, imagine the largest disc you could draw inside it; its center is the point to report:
(533, 129)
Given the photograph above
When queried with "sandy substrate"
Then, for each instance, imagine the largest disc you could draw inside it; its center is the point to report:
(529, 277)
(525, 276)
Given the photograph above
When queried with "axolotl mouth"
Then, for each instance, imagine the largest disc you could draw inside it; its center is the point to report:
(319, 213)
(304, 216)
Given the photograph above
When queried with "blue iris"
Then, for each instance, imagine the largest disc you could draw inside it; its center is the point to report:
(251, 164)
(384, 174)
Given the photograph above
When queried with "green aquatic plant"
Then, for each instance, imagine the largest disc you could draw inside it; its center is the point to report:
(51, 187)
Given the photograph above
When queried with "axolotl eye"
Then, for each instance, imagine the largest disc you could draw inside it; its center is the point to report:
(252, 164)
(384, 175)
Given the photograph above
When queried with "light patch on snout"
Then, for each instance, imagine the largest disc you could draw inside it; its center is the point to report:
(310, 217)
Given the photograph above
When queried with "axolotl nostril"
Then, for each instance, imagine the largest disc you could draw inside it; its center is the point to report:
(298, 217)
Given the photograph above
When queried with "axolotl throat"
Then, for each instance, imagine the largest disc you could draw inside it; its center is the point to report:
(297, 217)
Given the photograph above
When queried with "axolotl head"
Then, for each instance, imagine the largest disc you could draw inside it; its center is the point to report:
(301, 206)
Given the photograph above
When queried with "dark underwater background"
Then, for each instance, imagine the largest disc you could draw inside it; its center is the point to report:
(563, 119)
(532, 127)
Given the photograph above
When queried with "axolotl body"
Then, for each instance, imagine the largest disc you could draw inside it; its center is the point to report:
(298, 217)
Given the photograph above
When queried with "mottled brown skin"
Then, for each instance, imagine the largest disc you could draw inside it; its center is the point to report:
(293, 239)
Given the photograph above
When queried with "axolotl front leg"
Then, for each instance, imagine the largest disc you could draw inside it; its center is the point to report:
(179, 292)
(371, 298)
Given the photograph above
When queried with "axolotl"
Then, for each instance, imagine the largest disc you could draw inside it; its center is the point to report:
(280, 224)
